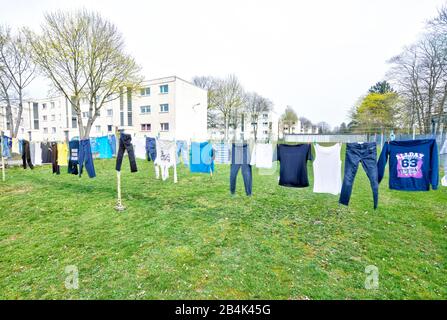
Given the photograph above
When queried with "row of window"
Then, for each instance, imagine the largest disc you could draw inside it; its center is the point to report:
(164, 108)
(164, 126)
(147, 91)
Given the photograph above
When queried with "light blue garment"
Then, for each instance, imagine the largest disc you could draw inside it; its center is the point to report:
(202, 157)
(182, 148)
(103, 147)
(6, 147)
(223, 153)
(112, 142)
(20, 146)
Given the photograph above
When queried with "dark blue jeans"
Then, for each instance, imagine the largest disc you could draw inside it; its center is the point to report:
(151, 149)
(85, 158)
(240, 159)
(366, 153)
(126, 144)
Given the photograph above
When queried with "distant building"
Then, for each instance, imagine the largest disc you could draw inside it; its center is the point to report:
(266, 128)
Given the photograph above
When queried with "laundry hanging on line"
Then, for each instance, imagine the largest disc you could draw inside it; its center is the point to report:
(166, 158)
(413, 164)
(327, 169)
(201, 157)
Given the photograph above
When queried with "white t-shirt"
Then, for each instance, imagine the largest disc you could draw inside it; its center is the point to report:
(262, 156)
(327, 169)
(166, 153)
(37, 161)
(140, 147)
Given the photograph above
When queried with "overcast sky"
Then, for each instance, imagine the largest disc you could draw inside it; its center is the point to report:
(317, 56)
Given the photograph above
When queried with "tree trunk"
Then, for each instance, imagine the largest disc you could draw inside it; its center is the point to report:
(19, 114)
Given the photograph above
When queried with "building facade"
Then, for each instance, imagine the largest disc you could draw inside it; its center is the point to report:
(169, 108)
(266, 128)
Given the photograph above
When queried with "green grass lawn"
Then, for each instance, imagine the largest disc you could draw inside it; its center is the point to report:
(192, 240)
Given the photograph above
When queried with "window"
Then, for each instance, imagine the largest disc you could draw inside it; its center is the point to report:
(52, 105)
(129, 107)
(84, 100)
(53, 117)
(265, 132)
(53, 130)
(164, 107)
(265, 115)
(164, 88)
(145, 109)
(36, 115)
(109, 112)
(145, 127)
(44, 106)
(265, 124)
(164, 126)
(85, 114)
(45, 130)
(98, 129)
(45, 118)
(145, 91)
(109, 128)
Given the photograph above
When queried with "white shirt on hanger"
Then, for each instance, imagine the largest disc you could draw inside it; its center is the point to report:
(262, 156)
(327, 169)
(37, 161)
(140, 147)
(166, 158)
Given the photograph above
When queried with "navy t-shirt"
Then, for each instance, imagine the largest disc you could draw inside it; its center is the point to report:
(413, 165)
(293, 164)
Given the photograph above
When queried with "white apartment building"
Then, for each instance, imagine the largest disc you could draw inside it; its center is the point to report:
(266, 128)
(167, 107)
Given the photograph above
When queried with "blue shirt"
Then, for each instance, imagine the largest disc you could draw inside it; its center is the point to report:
(201, 157)
(413, 164)
(103, 147)
(293, 164)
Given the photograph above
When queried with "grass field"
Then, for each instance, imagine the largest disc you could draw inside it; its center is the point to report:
(192, 240)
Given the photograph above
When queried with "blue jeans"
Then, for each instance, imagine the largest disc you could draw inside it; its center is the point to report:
(366, 153)
(85, 158)
(240, 159)
(182, 148)
(151, 149)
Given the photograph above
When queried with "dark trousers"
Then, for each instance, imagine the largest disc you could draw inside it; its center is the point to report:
(26, 155)
(56, 168)
(366, 154)
(246, 174)
(151, 149)
(126, 144)
(240, 159)
(85, 158)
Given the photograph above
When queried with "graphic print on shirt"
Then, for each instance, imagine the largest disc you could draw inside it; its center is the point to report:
(165, 156)
(409, 165)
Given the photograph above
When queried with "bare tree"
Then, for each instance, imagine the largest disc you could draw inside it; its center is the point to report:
(108, 68)
(17, 71)
(229, 100)
(420, 73)
(323, 127)
(83, 55)
(255, 105)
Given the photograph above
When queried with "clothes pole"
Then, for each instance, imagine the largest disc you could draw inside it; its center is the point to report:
(3, 158)
(119, 205)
